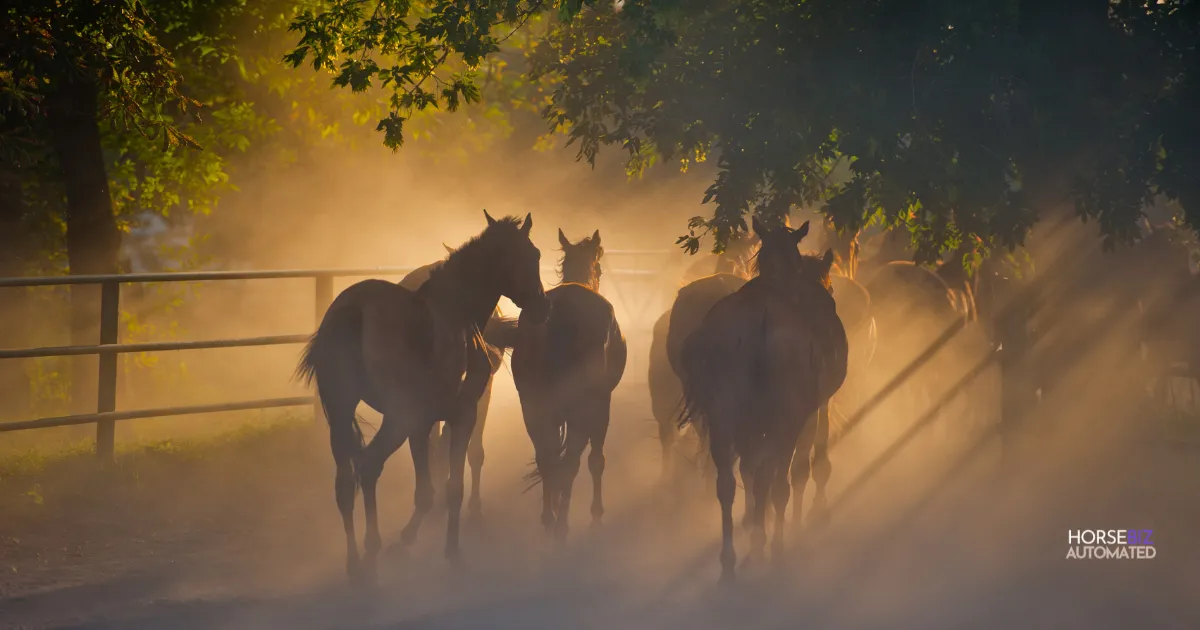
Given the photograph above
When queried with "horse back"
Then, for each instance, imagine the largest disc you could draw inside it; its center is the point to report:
(692, 304)
(574, 343)
(760, 346)
(404, 341)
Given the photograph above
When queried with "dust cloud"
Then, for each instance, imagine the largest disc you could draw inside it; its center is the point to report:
(932, 527)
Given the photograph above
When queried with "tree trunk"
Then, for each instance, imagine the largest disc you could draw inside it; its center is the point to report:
(93, 238)
(16, 245)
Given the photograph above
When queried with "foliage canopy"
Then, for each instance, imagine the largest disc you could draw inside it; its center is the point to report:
(963, 120)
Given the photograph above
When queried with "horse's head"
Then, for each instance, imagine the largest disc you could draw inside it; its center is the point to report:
(780, 257)
(516, 270)
(779, 253)
(581, 261)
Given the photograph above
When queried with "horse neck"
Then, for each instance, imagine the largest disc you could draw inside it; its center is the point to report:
(581, 274)
(457, 291)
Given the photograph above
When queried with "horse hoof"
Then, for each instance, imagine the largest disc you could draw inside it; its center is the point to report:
(408, 536)
(727, 577)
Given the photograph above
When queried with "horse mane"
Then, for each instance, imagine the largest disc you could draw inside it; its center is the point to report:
(468, 249)
(579, 266)
(504, 226)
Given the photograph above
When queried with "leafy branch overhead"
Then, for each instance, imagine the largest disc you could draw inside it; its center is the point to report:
(961, 122)
(408, 48)
(49, 44)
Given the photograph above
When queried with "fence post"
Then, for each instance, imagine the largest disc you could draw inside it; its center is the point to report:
(324, 297)
(106, 399)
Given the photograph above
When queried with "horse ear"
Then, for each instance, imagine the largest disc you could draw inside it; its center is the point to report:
(562, 239)
(528, 224)
(449, 250)
(491, 221)
(827, 260)
(759, 228)
(596, 238)
(800, 232)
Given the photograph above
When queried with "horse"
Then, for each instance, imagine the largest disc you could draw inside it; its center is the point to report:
(765, 360)
(691, 304)
(853, 304)
(565, 370)
(439, 444)
(417, 358)
(913, 306)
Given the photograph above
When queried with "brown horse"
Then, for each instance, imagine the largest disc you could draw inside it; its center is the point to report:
(565, 370)
(764, 361)
(691, 304)
(417, 358)
(812, 449)
(439, 444)
(913, 306)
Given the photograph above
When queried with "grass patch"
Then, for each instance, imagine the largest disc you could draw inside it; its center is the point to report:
(35, 457)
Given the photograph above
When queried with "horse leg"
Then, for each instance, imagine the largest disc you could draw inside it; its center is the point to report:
(568, 469)
(781, 491)
(475, 456)
(747, 470)
(760, 485)
(389, 438)
(460, 437)
(345, 444)
(801, 466)
(721, 448)
(596, 456)
(822, 469)
(439, 454)
(544, 436)
(423, 494)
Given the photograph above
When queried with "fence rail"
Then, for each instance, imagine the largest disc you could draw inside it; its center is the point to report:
(106, 414)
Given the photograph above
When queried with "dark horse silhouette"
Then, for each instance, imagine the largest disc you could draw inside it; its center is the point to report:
(763, 362)
(417, 358)
(565, 370)
(439, 445)
(691, 304)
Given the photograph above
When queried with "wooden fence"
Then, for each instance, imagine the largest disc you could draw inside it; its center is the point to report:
(106, 415)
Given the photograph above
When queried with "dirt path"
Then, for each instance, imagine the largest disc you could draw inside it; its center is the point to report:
(249, 538)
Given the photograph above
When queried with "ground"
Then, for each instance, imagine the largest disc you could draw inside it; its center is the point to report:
(245, 534)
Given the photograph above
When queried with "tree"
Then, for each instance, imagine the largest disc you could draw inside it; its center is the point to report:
(424, 55)
(963, 122)
(958, 120)
(73, 64)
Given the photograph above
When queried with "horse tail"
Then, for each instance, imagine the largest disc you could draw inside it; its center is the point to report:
(501, 332)
(696, 378)
(340, 330)
(537, 475)
(306, 369)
